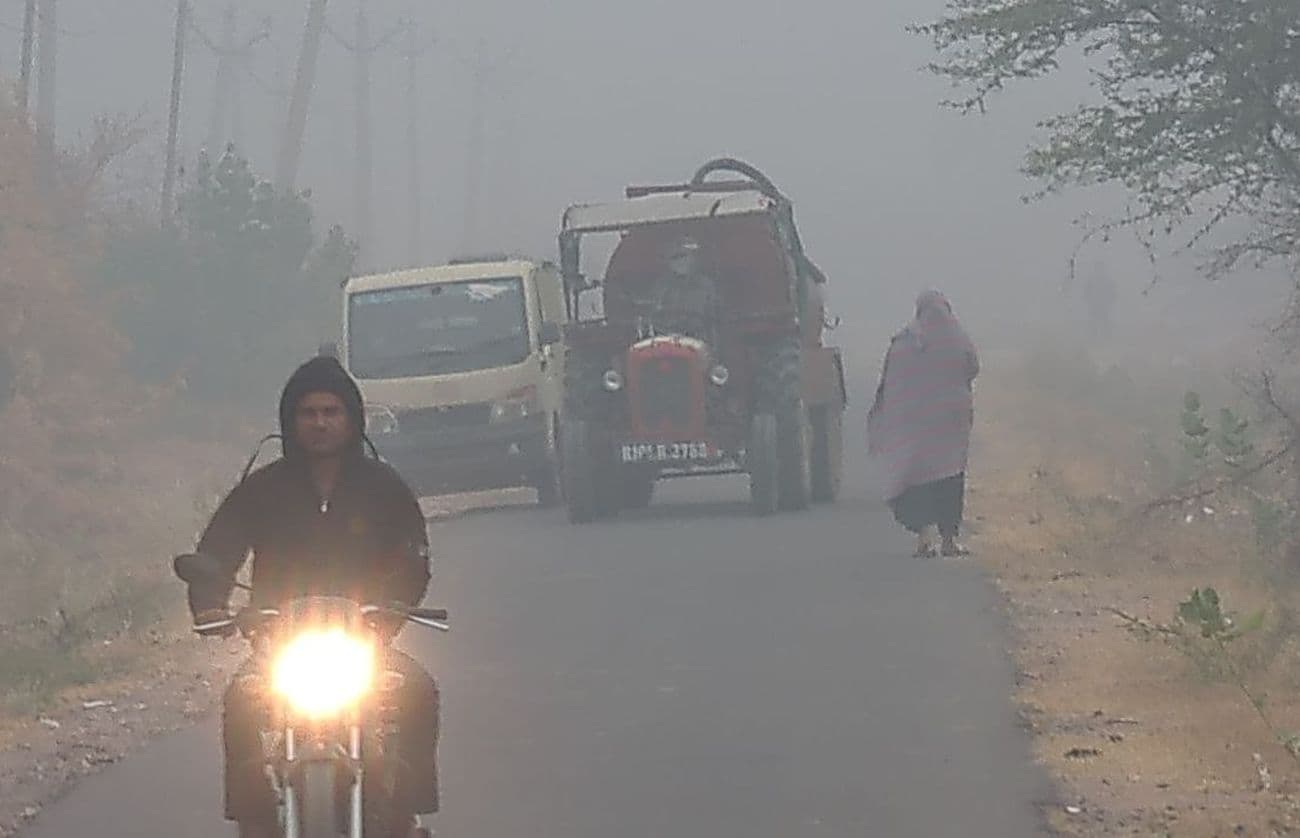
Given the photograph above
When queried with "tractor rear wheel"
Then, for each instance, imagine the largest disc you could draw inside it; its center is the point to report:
(794, 438)
(761, 462)
(827, 453)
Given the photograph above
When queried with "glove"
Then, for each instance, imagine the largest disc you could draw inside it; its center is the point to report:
(214, 615)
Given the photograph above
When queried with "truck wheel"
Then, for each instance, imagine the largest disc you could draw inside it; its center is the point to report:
(579, 472)
(638, 489)
(547, 484)
(318, 801)
(827, 453)
(761, 461)
(794, 447)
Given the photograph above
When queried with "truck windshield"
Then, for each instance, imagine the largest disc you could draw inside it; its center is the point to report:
(437, 329)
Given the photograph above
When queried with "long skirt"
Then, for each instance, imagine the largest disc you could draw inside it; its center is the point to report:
(939, 502)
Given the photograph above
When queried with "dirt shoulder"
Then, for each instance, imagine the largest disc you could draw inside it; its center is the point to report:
(1142, 740)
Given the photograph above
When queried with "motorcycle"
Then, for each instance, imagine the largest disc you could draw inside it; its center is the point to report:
(319, 668)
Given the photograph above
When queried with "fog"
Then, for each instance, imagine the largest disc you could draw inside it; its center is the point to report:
(893, 193)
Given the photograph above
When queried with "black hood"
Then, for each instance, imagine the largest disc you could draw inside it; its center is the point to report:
(321, 374)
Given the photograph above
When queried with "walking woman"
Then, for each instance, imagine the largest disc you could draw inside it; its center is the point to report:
(920, 423)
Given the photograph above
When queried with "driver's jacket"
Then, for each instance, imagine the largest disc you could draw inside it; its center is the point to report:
(686, 305)
(368, 542)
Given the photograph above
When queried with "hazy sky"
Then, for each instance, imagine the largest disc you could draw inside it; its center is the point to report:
(892, 192)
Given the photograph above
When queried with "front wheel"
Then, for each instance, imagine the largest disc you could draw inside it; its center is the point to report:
(318, 801)
(638, 489)
(547, 483)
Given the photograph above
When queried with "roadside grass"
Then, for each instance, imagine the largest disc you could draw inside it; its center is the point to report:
(89, 595)
(1142, 732)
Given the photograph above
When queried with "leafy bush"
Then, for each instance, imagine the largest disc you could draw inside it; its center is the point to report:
(234, 293)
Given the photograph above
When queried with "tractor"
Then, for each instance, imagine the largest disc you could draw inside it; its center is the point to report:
(753, 391)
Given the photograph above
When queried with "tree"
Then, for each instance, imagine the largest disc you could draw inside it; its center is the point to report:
(235, 292)
(1199, 112)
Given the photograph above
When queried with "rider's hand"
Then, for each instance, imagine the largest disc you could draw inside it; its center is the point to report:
(215, 615)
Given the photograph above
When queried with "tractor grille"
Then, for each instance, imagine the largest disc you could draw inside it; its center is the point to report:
(664, 393)
(427, 419)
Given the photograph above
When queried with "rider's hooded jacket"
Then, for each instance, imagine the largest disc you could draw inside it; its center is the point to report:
(368, 541)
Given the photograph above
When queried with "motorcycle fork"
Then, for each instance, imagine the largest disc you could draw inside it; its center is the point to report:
(353, 766)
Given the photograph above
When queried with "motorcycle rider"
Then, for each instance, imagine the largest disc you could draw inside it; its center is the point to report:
(324, 519)
(685, 299)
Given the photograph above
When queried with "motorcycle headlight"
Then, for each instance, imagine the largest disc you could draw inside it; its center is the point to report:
(381, 420)
(320, 673)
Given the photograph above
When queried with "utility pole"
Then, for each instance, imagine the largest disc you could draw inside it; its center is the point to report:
(363, 50)
(25, 71)
(482, 72)
(414, 180)
(225, 82)
(47, 61)
(168, 209)
(475, 152)
(232, 58)
(290, 155)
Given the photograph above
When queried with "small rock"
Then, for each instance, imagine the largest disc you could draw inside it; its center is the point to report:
(1082, 753)
(1074, 810)
(95, 705)
(50, 723)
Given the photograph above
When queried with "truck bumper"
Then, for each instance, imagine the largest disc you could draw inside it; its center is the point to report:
(469, 459)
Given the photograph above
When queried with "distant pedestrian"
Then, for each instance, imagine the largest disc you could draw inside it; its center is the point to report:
(920, 423)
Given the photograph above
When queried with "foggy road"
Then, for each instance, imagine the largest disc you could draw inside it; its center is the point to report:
(687, 671)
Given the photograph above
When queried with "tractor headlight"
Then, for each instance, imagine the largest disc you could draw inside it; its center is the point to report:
(322, 672)
(719, 375)
(612, 381)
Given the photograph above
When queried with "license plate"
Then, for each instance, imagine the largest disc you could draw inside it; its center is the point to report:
(666, 452)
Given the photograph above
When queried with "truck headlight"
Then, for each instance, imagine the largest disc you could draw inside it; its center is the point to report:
(381, 420)
(319, 673)
(612, 381)
(516, 406)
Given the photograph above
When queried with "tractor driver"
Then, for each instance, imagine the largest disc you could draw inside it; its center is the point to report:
(685, 299)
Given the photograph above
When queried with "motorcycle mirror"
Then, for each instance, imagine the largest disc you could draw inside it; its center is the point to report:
(196, 567)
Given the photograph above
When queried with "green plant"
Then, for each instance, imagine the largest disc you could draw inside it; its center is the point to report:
(1195, 438)
(1208, 634)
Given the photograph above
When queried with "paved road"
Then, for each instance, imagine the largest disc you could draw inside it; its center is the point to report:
(686, 673)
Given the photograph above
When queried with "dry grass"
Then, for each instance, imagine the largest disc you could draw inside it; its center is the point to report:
(1145, 741)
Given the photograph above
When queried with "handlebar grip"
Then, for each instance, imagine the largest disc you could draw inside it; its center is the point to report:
(429, 613)
(214, 629)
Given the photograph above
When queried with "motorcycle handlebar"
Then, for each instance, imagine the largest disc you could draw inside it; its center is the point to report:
(248, 619)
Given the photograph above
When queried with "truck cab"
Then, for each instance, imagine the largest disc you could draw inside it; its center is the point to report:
(461, 367)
